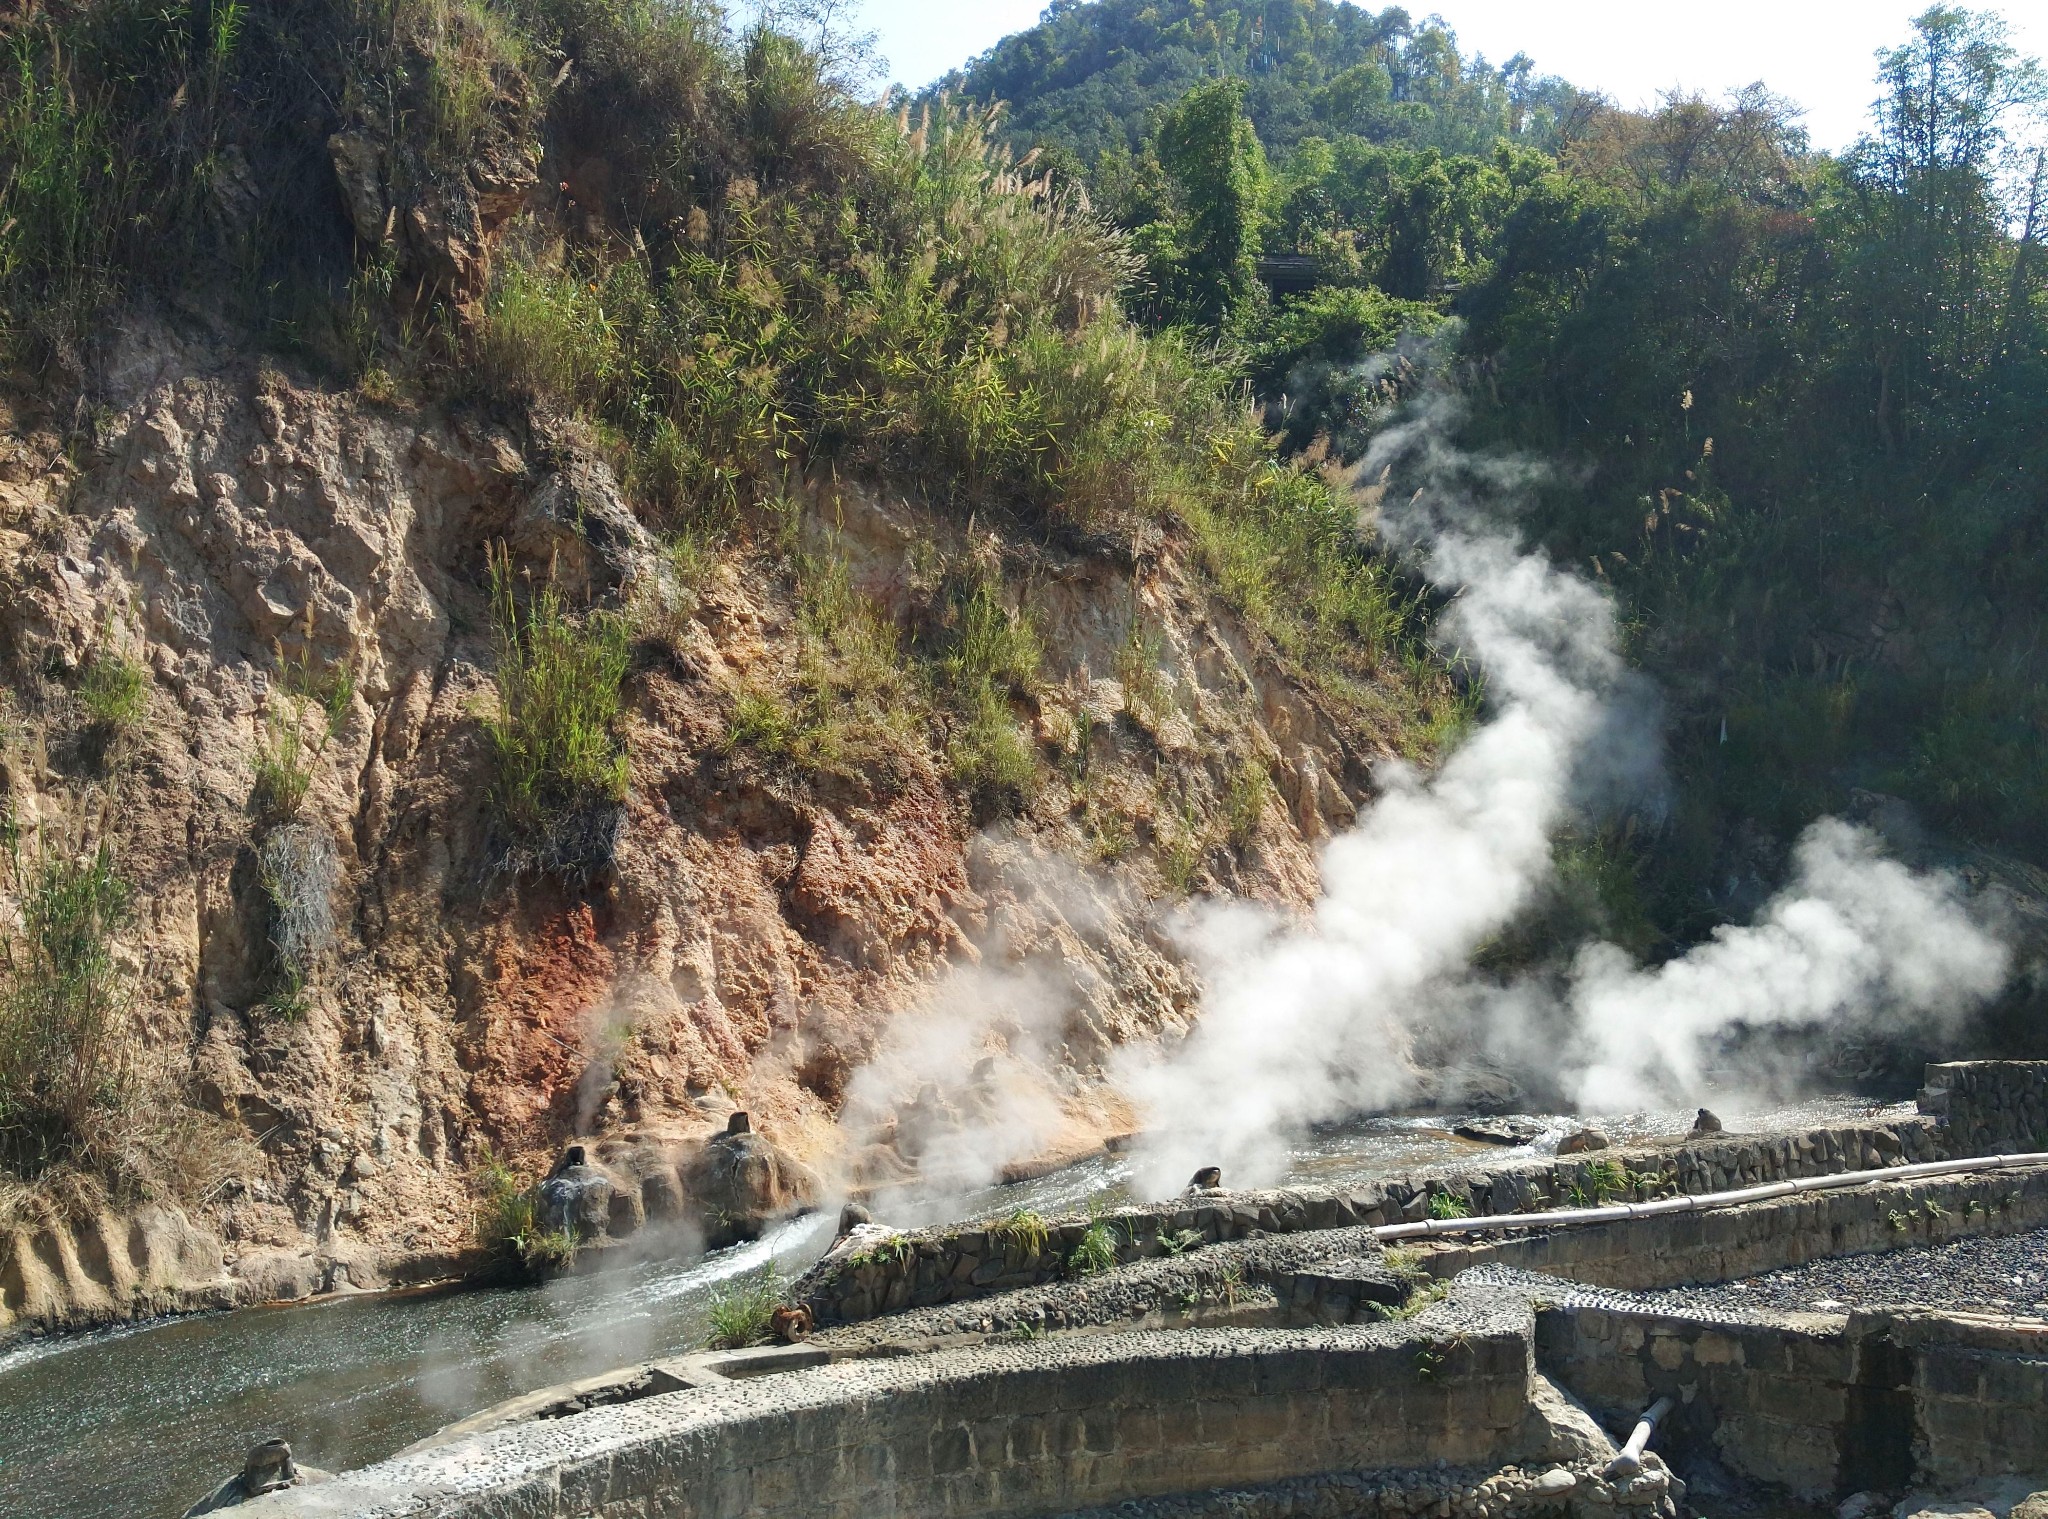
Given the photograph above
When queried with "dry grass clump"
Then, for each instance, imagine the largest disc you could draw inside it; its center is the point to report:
(90, 1107)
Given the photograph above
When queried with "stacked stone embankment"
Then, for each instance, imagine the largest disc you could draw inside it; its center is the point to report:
(1022, 1428)
(1971, 1108)
(1557, 1492)
(1820, 1405)
(1988, 1107)
(926, 1267)
(1728, 1244)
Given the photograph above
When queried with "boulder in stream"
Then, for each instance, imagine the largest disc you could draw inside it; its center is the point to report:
(1500, 1131)
(740, 1183)
(577, 1196)
(268, 1469)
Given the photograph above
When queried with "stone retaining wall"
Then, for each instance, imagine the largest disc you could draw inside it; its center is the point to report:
(1989, 1107)
(1979, 1391)
(1820, 1404)
(1012, 1429)
(1726, 1244)
(1770, 1400)
(922, 1268)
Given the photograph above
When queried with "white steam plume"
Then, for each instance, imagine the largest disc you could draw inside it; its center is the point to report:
(1853, 937)
(1308, 1021)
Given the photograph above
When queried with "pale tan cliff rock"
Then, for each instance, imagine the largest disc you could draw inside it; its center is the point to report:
(753, 940)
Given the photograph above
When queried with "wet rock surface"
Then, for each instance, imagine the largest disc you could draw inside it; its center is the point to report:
(739, 1183)
(1501, 1131)
(268, 1469)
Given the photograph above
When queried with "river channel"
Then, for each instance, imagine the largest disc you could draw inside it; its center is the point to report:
(137, 1423)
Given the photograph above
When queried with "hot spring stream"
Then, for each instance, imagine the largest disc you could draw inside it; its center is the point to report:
(138, 1423)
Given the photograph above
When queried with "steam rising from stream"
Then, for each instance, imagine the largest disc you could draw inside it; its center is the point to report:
(1313, 1018)
(1305, 1022)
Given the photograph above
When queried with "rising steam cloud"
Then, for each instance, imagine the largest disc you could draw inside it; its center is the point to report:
(1311, 1020)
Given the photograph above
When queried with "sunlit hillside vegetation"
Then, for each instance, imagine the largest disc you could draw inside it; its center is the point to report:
(735, 270)
(1797, 402)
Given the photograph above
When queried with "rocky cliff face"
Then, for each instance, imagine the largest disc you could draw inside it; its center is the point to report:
(754, 935)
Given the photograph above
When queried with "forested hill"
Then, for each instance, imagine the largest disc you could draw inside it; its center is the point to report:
(1801, 399)
(1093, 77)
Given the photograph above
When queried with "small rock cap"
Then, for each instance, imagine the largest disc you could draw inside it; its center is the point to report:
(268, 1465)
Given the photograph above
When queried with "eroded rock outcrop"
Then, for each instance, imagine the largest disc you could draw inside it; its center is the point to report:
(235, 528)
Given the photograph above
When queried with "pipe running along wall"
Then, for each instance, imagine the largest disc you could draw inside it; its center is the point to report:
(1701, 1201)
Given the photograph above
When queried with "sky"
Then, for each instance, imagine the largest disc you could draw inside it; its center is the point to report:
(1817, 52)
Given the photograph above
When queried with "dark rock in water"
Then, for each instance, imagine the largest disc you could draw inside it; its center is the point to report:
(268, 1469)
(577, 1196)
(1206, 1178)
(851, 1217)
(1500, 1131)
(1706, 1123)
(1581, 1141)
(738, 1184)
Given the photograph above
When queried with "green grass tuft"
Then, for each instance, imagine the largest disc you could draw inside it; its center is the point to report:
(64, 1002)
(1095, 1252)
(555, 751)
(1027, 1230)
(114, 693)
(742, 1310)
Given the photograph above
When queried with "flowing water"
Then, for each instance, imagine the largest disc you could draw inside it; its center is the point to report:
(137, 1423)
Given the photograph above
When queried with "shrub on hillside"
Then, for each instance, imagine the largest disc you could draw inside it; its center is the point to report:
(558, 766)
(65, 1043)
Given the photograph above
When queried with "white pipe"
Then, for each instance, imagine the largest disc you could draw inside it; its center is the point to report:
(1701, 1201)
(1630, 1462)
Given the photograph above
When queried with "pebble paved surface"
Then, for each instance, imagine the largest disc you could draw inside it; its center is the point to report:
(1973, 1275)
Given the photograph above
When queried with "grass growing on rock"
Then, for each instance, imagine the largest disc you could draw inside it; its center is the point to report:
(67, 1059)
(555, 750)
(1448, 1205)
(741, 1311)
(114, 693)
(508, 1221)
(1095, 1252)
(1024, 1229)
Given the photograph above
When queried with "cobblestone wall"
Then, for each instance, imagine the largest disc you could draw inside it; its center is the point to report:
(1968, 1108)
(922, 1268)
(1823, 1404)
(1989, 1107)
(1674, 1250)
(1000, 1429)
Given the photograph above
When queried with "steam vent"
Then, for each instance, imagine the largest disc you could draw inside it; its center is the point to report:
(1819, 1315)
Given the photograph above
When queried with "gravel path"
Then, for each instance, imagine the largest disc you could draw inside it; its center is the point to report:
(1978, 1275)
